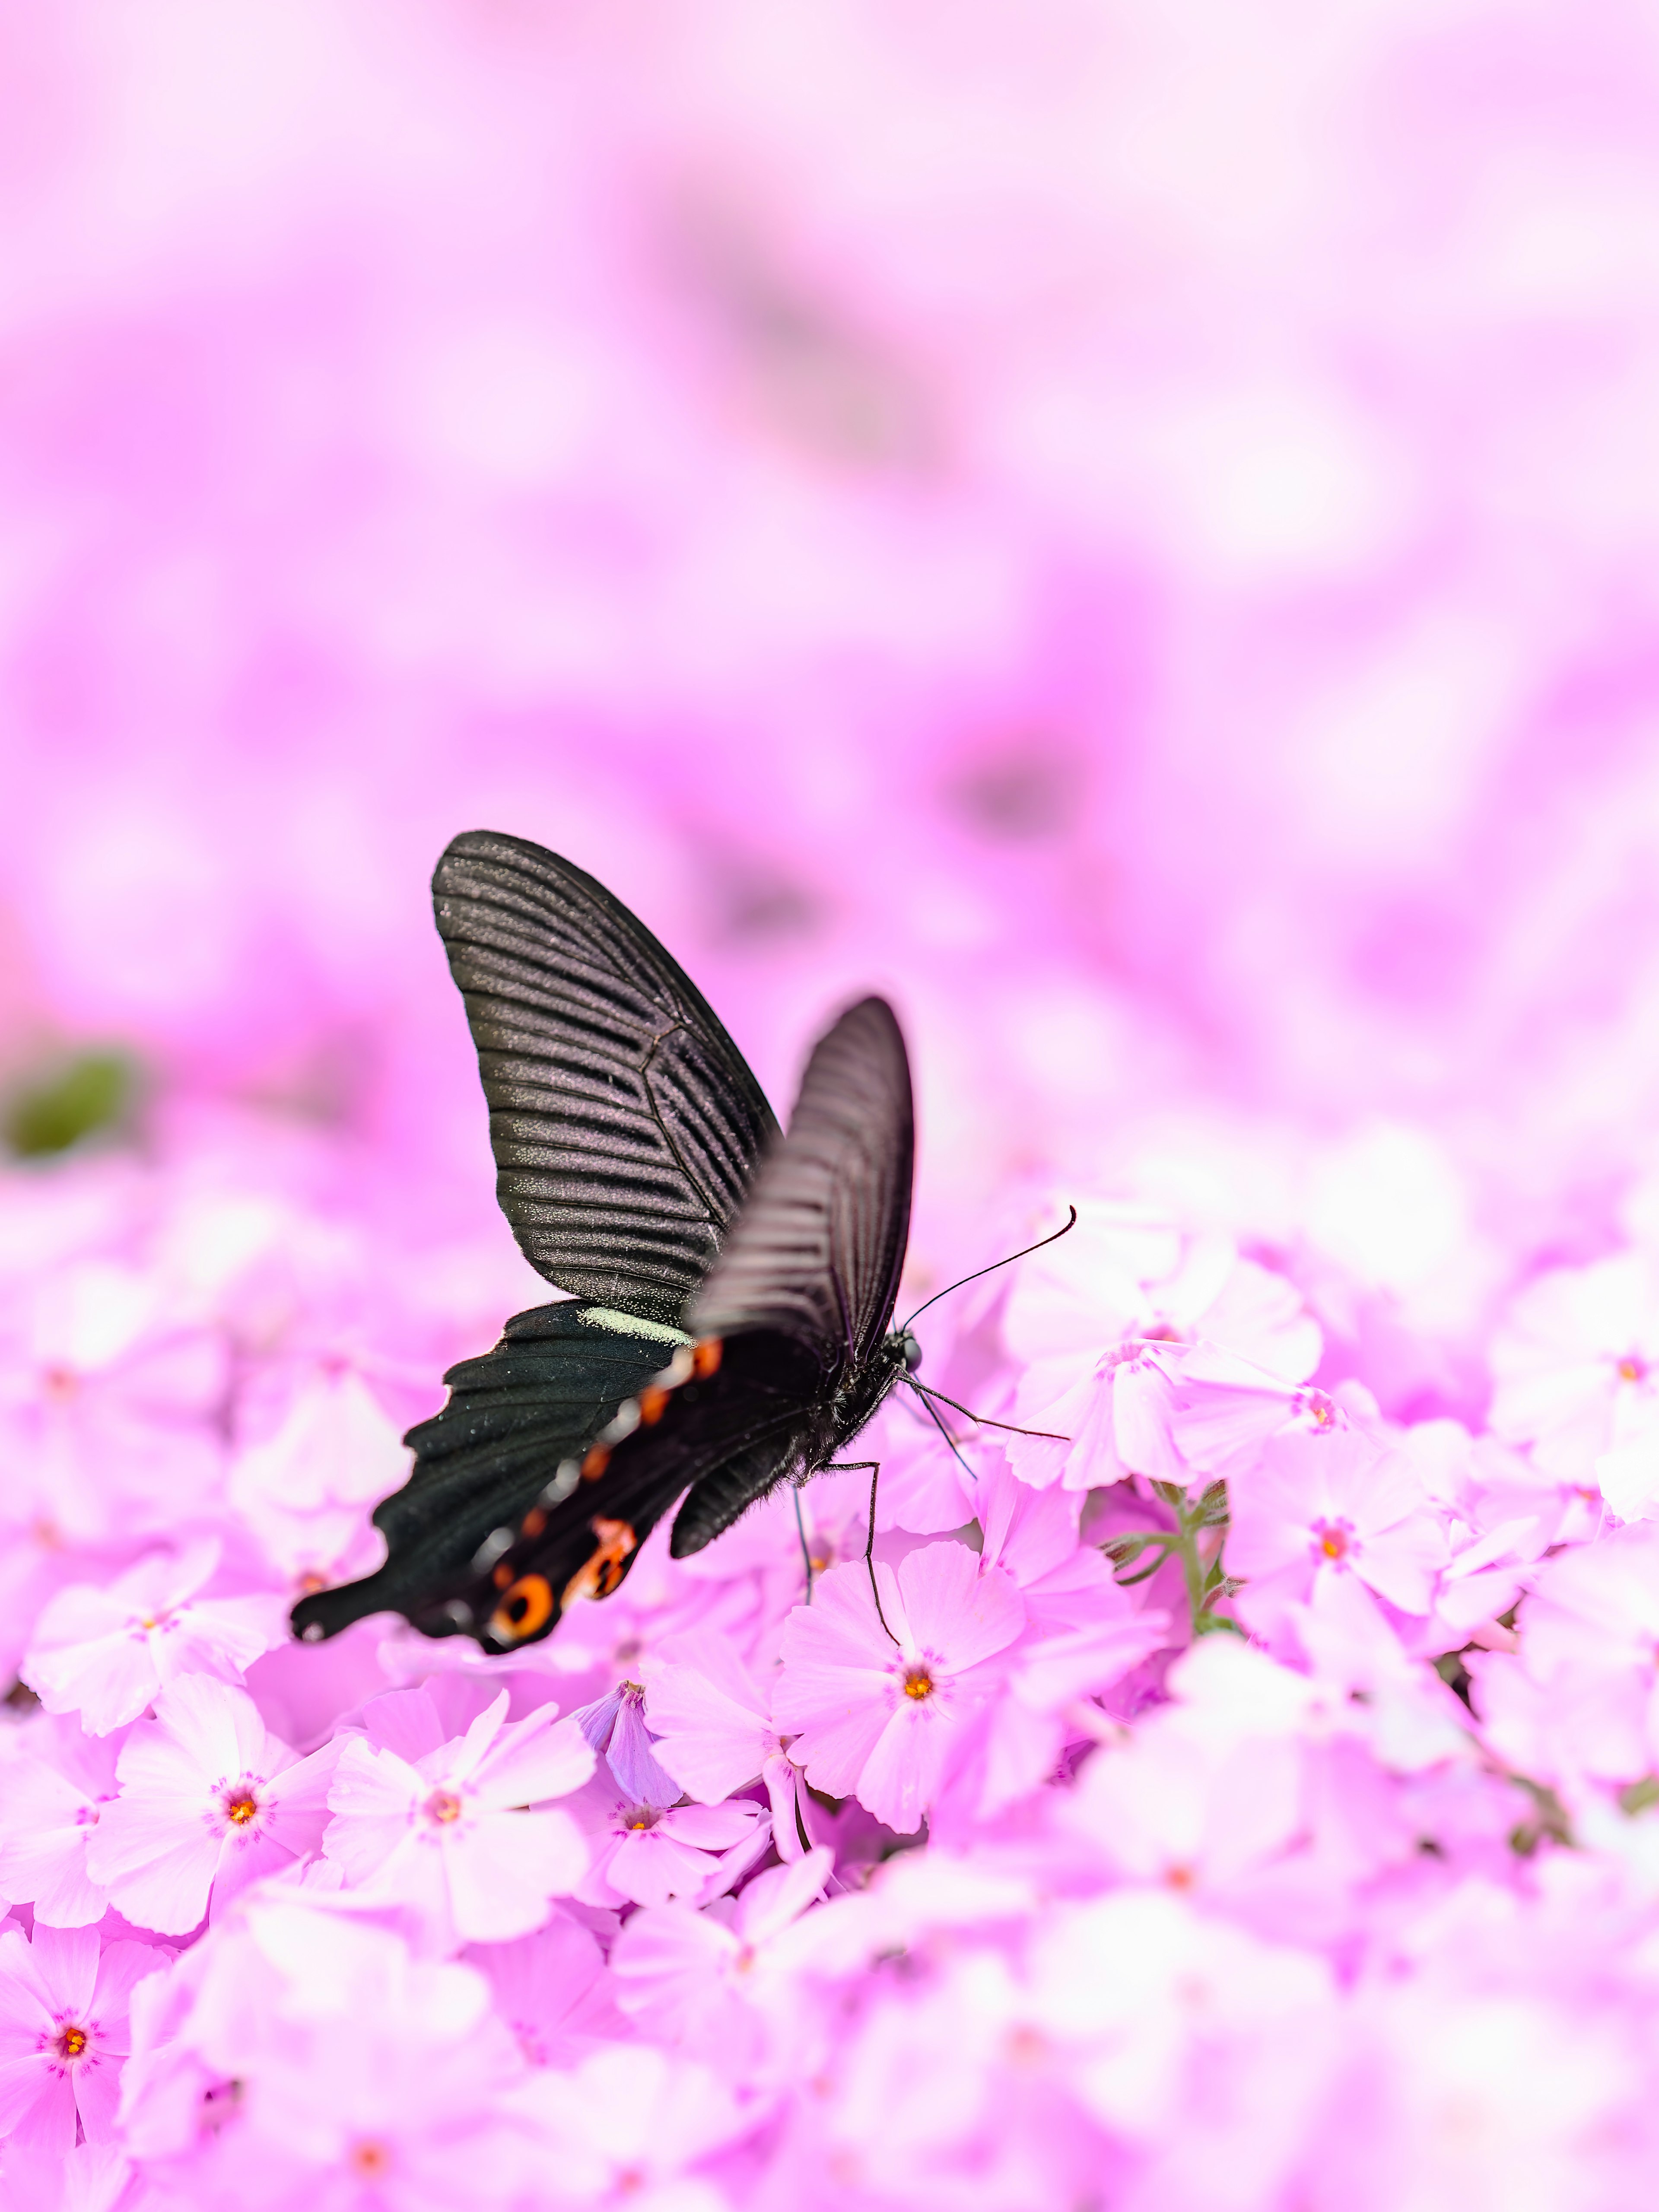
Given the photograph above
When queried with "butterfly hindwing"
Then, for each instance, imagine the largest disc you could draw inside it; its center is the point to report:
(715, 1410)
(514, 1417)
(625, 1123)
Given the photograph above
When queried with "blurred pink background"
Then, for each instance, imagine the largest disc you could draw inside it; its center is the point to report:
(1135, 530)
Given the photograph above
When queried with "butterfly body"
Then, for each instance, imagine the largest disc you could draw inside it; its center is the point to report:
(732, 1288)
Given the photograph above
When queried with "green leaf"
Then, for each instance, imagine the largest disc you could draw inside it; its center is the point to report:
(78, 1098)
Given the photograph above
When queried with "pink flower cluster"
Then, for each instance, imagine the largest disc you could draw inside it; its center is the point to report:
(1127, 529)
(1240, 1798)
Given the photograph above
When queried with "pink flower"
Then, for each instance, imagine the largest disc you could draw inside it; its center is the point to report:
(331, 2068)
(107, 1652)
(1576, 1365)
(875, 1714)
(209, 1801)
(1131, 1271)
(63, 2032)
(1188, 1805)
(304, 1489)
(53, 1796)
(553, 1990)
(114, 1399)
(713, 1981)
(464, 1833)
(1582, 1697)
(1114, 1421)
(715, 1737)
(1224, 1410)
(1333, 1504)
(645, 1853)
(627, 2125)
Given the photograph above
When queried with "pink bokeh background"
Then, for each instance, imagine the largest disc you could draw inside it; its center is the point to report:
(1135, 532)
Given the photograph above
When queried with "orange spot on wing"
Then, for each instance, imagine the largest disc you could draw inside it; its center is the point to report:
(598, 1458)
(599, 1576)
(502, 1575)
(706, 1358)
(527, 1606)
(652, 1403)
(533, 1522)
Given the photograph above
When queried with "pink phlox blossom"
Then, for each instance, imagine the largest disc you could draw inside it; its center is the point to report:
(52, 1795)
(1580, 1701)
(63, 2032)
(1501, 1512)
(629, 2127)
(714, 1734)
(875, 1714)
(1577, 1367)
(1224, 1409)
(114, 1398)
(1343, 1632)
(1083, 1634)
(209, 1801)
(95, 2177)
(464, 1832)
(363, 2076)
(1334, 1504)
(644, 1852)
(1127, 1278)
(942, 2094)
(1033, 1534)
(107, 1652)
(554, 1991)
(718, 1982)
(614, 1726)
(1153, 2011)
(303, 1486)
(1187, 1805)
(1107, 1423)
(919, 1903)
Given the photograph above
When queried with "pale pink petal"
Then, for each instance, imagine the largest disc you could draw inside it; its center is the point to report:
(901, 1777)
(710, 1720)
(65, 1961)
(534, 1759)
(955, 1610)
(504, 1869)
(43, 1846)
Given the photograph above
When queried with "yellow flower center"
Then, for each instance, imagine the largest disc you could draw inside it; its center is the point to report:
(71, 2042)
(1633, 1369)
(918, 1683)
(443, 1806)
(242, 1808)
(368, 2158)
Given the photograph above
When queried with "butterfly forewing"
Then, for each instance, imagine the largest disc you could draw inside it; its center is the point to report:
(817, 1249)
(625, 1121)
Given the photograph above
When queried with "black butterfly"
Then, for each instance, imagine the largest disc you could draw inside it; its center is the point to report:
(732, 1288)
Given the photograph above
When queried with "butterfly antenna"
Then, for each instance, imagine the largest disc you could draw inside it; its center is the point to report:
(1053, 1237)
(946, 1433)
(1009, 1428)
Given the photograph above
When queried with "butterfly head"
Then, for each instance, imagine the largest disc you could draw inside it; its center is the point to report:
(906, 1347)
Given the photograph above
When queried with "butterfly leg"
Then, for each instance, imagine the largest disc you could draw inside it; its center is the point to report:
(806, 1548)
(852, 1467)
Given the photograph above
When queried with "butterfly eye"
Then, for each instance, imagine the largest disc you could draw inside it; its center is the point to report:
(527, 1606)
